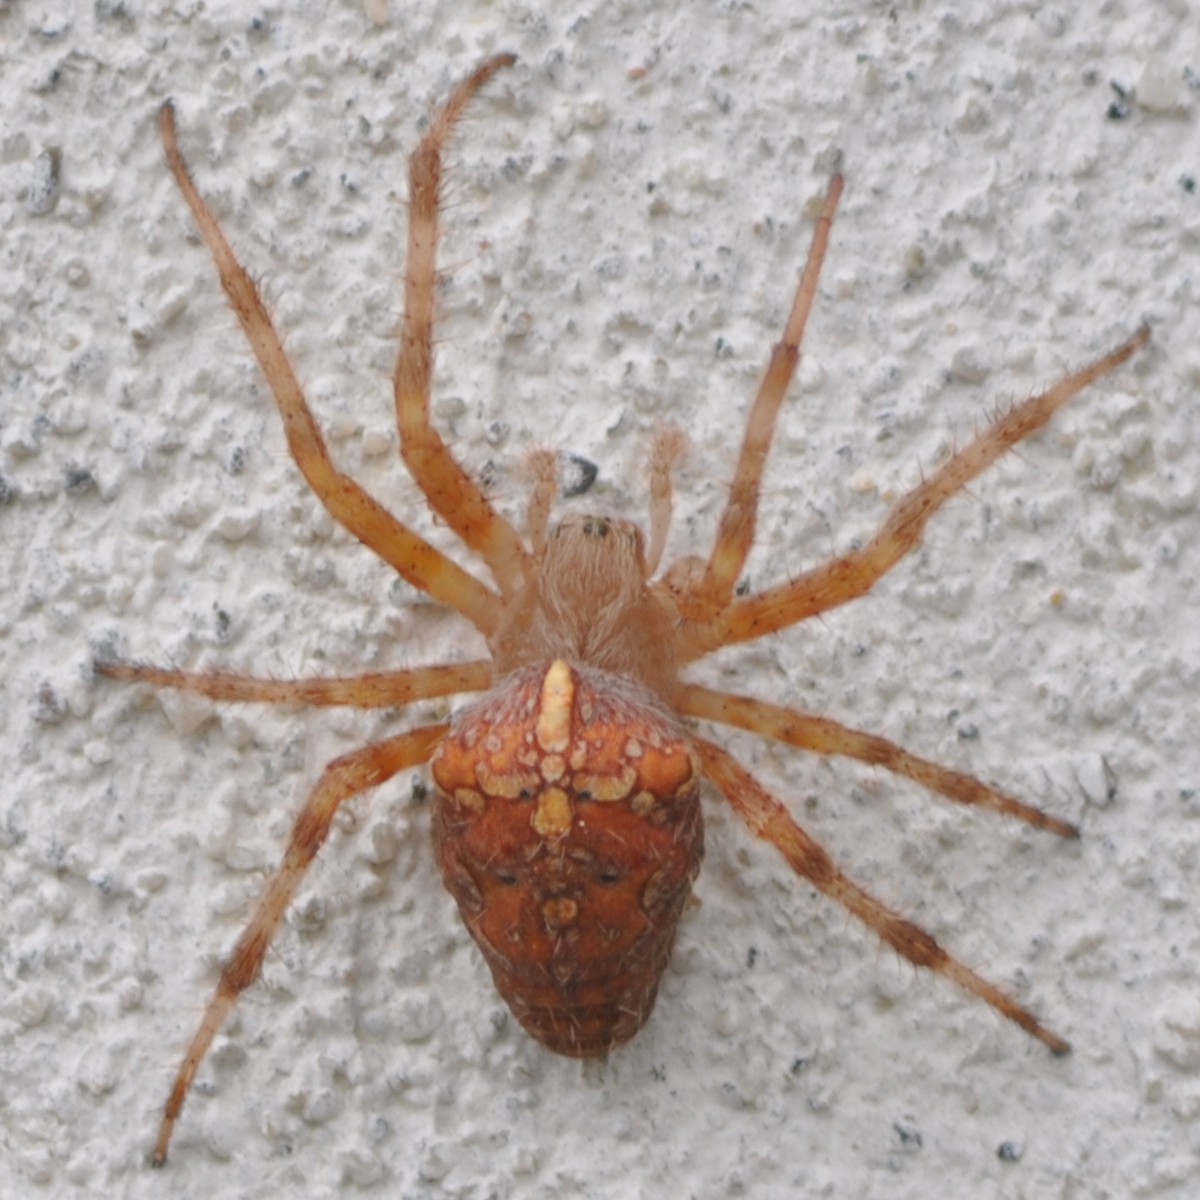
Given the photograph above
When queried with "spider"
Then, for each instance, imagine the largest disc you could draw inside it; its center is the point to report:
(566, 819)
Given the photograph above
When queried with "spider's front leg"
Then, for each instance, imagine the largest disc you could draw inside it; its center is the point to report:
(845, 578)
(451, 492)
(702, 599)
(344, 777)
(415, 559)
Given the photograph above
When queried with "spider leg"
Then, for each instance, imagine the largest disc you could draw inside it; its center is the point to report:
(823, 736)
(451, 492)
(380, 689)
(767, 818)
(736, 532)
(350, 505)
(842, 579)
(342, 778)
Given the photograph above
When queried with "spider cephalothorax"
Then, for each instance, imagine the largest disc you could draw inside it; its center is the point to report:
(589, 601)
(567, 820)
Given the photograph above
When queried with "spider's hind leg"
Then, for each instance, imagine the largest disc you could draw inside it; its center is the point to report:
(343, 778)
(768, 818)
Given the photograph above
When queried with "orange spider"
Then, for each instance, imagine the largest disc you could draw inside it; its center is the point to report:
(567, 817)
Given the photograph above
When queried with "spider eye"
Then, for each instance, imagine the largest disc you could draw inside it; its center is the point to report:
(596, 526)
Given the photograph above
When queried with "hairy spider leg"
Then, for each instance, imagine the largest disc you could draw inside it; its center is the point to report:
(451, 492)
(420, 563)
(766, 817)
(377, 689)
(344, 777)
(823, 736)
(735, 535)
(851, 575)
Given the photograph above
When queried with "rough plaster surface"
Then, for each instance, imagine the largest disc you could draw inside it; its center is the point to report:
(632, 206)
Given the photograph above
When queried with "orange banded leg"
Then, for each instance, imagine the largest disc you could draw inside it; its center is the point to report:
(343, 778)
(842, 579)
(736, 532)
(382, 689)
(421, 564)
(451, 492)
(767, 818)
(823, 736)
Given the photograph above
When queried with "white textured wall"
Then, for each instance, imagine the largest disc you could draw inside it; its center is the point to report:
(631, 213)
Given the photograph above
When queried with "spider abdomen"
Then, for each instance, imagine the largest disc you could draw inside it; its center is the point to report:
(567, 826)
